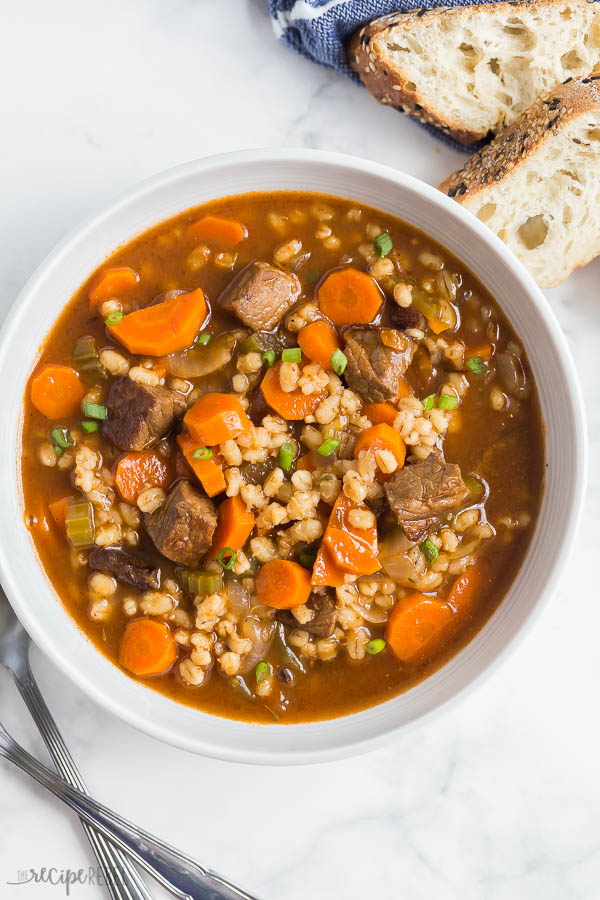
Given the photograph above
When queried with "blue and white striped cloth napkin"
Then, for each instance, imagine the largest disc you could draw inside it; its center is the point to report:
(320, 29)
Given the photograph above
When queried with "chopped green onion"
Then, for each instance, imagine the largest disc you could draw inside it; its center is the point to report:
(268, 358)
(203, 339)
(58, 450)
(229, 563)
(375, 646)
(114, 318)
(203, 453)
(89, 426)
(263, 670)
(79, 522)
(95, 410)
(61, 437)
(199, 583)
(329, 446)
(428, 402)
(383, 243)
(476, 365)
(292, 354)
(339, 361)
(446, 401)
(308, 555)
(286, 455)
(429, 551)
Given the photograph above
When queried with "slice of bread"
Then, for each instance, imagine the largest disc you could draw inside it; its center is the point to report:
(537, 184)
(472, 70)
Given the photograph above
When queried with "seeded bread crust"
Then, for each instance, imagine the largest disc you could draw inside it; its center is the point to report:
(542, 120)
(388, 87)
(497, 174)
(392, 88)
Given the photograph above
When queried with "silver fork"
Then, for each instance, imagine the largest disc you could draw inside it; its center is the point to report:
(122, 879)
(175, 871)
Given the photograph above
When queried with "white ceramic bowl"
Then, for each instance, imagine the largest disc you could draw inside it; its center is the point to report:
(165, 195)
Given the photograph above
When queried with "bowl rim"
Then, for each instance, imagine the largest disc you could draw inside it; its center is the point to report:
(225, 751)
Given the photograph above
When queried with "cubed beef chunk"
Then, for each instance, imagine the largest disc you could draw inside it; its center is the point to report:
(125, 568)
(260, 295)
(182, 529)
(322, 623)
(377, 360)
(421, 492)
(139, 415)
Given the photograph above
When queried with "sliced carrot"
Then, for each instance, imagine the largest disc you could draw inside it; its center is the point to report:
(417, 626)
(56, 391)
(350, 297)
(112, 283)
(208, 472)
(438, 325)
(234, 526)
(351, 550)
(340, 515)
(466, 588)
(319, 340)
(350, 554)
(163, 328)
(216, 418)
(138, 470)
(380, 413)
(326, 571)
(292, 406)
(283, 584)
(58, 511)
(483, 351)
(382, 437)
(147, 648)
(217, 230)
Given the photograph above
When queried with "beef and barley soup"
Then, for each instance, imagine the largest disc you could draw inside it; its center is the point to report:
(282, 456)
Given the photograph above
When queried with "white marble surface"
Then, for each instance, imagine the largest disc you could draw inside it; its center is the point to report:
(497, 800)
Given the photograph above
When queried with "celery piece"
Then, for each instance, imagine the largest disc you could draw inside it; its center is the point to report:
(80, 523)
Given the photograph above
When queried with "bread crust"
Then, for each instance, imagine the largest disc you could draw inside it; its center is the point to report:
(391, 88)
(523, 139)
(540, 121)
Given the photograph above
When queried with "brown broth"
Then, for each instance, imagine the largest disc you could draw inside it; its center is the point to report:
(505, 448)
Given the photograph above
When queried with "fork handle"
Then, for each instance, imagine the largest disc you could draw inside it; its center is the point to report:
(123, 881)
(175, 871)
